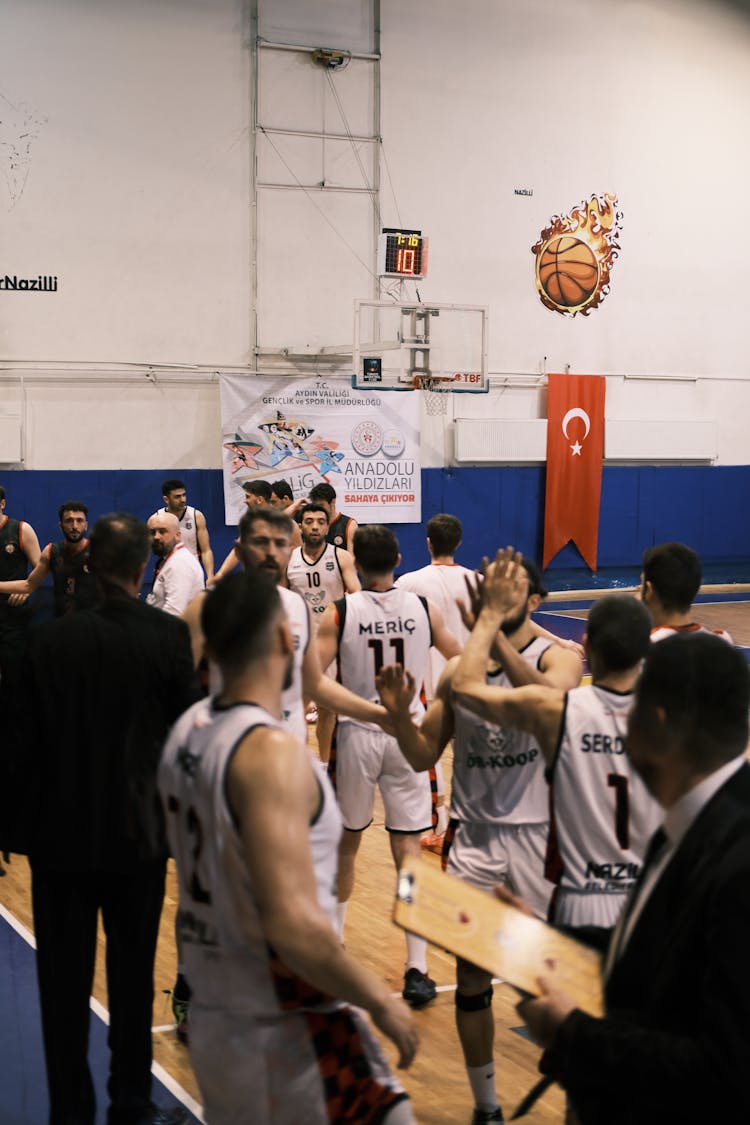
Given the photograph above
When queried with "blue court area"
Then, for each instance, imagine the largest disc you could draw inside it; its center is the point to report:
(557, 616)
(23, 1090)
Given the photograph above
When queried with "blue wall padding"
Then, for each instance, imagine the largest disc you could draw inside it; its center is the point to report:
(703, 506)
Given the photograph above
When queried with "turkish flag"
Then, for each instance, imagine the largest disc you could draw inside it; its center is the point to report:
(575, 448)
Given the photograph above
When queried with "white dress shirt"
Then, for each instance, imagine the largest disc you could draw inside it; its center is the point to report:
(178, 580)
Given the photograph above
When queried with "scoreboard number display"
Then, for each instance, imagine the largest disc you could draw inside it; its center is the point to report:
(402, 253)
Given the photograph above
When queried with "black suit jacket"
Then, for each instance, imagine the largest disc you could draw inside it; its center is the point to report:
(101, 689)
(675, 1044)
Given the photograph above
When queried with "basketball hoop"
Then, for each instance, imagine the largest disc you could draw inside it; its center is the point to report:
(435, 393)
(434, 348)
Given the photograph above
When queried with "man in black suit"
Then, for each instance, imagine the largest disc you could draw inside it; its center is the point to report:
(103, 687)
(673, 1046)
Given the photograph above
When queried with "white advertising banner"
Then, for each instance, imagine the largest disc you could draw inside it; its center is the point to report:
(365, 443)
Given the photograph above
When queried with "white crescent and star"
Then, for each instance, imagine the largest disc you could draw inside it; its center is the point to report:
(576, 412)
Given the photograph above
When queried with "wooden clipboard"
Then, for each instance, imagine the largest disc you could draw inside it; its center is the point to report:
(498, 938)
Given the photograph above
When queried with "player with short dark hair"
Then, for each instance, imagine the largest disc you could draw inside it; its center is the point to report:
(444, 534)
(341, 528)
(363, 631)
(677, 991)
(273, 1031)
(281, 493)
(19, 553)
(264, 543)
(670, 582)
(67, 561)
(257, 495)
(72, 506)
(444, 582)
(674, 571)
(257, 492)
(601, 813)
(321, 573)
(193, 527)
(499, 801)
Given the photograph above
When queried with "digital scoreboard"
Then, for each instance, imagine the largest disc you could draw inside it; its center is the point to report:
(402, 253)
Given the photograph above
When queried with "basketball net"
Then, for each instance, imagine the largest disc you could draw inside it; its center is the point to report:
(435, 392)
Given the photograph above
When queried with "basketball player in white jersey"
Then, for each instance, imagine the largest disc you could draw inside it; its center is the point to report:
(318, 570)
(602, 814)
(265, 544)
(256, 494)
(365, 631)
(670, 582)
(444, 582)
(254, 827)
(193, 529)
(499, 799)
(321, 573)
(448, 585)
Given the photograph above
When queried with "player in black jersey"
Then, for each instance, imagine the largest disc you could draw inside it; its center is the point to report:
(19, 550)
(67, 562)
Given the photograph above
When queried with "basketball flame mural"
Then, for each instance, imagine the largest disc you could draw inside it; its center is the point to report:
(575, 255)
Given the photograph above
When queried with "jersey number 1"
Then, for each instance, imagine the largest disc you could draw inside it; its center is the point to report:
(396, 643)
(622, 808)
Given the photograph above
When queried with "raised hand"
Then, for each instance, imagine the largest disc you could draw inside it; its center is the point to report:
(395, 688)
(469, 610)
(506, 584)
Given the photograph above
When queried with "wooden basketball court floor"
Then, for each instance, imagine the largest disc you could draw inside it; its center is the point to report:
(436, 1081)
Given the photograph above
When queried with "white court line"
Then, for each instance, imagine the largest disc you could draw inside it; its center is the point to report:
(158, 1071)
(568, 614)
(177, 1090)
(452, 987)
(19, 927)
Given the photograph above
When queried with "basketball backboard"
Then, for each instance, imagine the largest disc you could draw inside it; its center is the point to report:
(406, 345)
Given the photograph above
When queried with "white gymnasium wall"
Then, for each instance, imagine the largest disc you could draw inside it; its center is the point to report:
(137, 195)
(647, 100)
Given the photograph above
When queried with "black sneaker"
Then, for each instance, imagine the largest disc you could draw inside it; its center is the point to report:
(418, 988)
(158, 1116)
(181, 994)
(153, 1115)
(180, 1011)
(481, 1115)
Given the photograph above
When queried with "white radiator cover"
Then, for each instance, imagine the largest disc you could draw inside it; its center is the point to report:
(499, 440)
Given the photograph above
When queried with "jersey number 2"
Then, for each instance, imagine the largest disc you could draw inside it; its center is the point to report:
(198, 893)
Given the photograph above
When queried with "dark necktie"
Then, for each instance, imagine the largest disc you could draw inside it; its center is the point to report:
(653, 851)
(655, 844)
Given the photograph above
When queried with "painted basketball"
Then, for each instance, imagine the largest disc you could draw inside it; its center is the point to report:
(568, 271)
